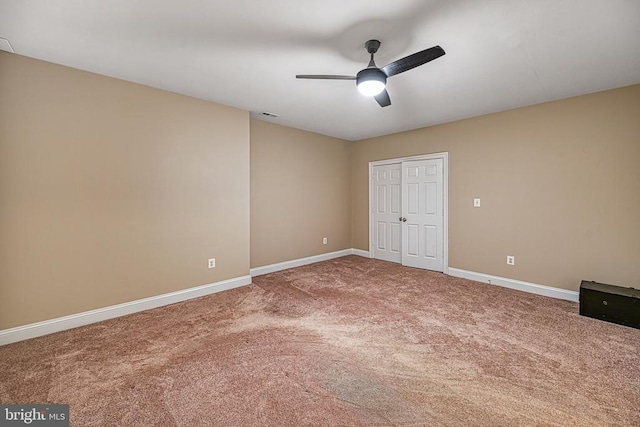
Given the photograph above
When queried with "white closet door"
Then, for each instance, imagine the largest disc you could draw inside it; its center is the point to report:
(422, 206)
(386, 194)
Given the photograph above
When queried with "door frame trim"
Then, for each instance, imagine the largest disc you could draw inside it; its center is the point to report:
(445, 221)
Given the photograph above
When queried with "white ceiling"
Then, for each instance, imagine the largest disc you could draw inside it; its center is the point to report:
(501, 54)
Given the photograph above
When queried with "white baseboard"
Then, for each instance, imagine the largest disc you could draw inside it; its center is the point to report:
(46, 327)
(360, 252)
(519, 285)
(272, 268)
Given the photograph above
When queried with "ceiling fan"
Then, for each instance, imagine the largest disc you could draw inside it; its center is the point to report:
(372, 80)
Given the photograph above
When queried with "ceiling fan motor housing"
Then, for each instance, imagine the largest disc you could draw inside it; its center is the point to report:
(369, 74)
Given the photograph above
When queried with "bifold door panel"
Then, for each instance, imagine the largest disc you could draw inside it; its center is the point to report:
(387, 211)
(422, 205)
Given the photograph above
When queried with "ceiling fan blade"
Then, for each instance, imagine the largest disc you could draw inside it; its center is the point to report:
(383, 98)
(412, 61)
(324, 77)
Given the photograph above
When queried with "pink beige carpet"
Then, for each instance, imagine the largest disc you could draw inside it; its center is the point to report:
(347, 342)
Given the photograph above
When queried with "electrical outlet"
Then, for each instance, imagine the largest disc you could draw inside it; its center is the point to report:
(212, 263)
(476, 203)
(325, 240)
(511, 260)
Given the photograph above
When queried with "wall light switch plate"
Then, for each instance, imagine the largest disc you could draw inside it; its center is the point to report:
(476, 203)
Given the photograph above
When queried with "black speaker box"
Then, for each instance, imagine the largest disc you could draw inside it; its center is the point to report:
(610, 303)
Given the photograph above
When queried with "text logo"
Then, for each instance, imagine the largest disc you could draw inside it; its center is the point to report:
(34, 415)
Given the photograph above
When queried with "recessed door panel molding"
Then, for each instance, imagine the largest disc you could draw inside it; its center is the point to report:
(416, 209)
(382, 199)
(395, 198)
(430, 170)
(413, 241)
(396, 234)
(431, 241)
(382, 236)
(431, 198)
(413, 198)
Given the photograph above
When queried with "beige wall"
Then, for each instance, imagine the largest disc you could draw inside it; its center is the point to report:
(112, 191)
(300, 193)
(559, 183)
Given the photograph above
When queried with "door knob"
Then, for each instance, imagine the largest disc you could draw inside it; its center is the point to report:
(402, 219)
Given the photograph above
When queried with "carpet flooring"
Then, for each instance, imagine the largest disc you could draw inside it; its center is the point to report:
(346, 342)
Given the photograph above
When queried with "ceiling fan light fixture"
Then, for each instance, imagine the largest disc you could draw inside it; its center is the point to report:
(371, 81)
(370, 87)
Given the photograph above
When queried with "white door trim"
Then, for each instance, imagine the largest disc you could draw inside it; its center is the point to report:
(445, 158)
